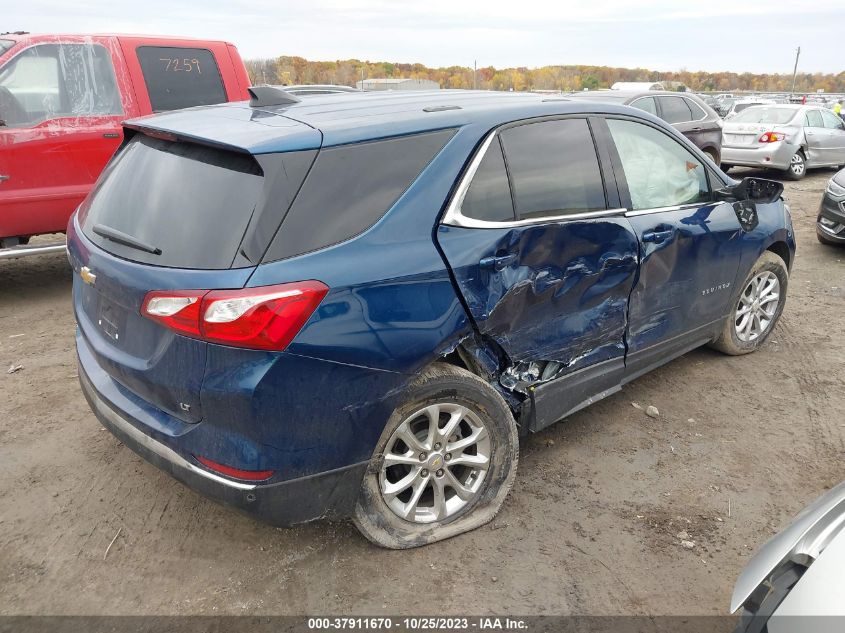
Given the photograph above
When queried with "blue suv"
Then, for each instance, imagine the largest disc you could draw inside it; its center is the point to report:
(356, 305)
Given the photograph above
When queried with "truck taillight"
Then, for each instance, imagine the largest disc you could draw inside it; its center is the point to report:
(268, 317)
(772, 137)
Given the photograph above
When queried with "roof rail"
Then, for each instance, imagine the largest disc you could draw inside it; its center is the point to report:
(261, 96)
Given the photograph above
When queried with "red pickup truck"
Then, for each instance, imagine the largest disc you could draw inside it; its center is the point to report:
(62, 99)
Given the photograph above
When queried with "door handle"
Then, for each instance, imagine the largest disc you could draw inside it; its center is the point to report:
(658, 237)
(4, 178)
(497, 262)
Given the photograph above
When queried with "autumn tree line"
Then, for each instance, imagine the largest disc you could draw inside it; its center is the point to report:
(297, 70)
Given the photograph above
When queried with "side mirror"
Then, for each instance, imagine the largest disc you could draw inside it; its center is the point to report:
(757, 190)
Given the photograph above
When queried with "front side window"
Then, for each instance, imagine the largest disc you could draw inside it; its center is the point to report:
(831, 121)
(50, 81)
(660, 172)
(180, 77)
(675, 110)
(553, 168)
(489, 195)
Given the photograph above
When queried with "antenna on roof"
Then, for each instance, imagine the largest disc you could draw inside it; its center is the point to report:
(261, 96)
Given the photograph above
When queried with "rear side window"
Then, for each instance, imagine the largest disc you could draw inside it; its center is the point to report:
(191, 201)
(646, 104)
(180, 77)
(675, 110)
(349, 188)
(553, 168)
(698, 112)
(813, 118)
(489, 196)
(659, 171)
(51, 81)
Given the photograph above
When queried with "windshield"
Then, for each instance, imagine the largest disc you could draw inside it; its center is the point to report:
(764, 114)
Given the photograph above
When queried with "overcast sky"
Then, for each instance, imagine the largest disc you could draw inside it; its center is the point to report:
(735, 35)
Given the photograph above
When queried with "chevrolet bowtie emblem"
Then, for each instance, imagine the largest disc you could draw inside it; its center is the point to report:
(87, 276)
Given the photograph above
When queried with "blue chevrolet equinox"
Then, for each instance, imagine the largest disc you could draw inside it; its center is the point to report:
(356, 305)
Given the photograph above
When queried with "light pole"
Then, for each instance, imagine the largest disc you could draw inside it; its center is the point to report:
(795, 70)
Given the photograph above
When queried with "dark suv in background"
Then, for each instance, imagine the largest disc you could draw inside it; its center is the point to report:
(686, 112)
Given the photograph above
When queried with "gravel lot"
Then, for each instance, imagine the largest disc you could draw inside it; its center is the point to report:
(591, 526)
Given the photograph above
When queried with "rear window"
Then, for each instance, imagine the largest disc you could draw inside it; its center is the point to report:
(6, 45)
(350, 187)
(764, 114)
(180, 77)
(191, 201)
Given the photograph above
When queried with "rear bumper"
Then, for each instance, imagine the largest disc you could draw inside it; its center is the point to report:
(329, 495)
(776, 156)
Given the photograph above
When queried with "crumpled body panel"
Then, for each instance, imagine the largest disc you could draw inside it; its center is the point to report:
(562, 297)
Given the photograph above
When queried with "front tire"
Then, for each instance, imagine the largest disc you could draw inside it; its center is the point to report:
(443, 465)
(825, 240)
(756, 308)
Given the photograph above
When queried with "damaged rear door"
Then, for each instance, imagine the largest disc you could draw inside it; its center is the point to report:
(545, 261)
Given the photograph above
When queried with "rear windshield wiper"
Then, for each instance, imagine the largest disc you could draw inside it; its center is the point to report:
(122, 238)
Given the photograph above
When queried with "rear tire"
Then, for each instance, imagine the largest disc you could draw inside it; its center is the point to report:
(752, 318)
(797, 166)
(420, 449)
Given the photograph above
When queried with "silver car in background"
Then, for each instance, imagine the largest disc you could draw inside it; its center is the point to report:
(796, 581)
(790, 138)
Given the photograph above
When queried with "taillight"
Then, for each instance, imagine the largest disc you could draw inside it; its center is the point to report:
(268, 317)
(772, 137)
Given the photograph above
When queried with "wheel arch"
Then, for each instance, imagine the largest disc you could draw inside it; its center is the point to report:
(781, 249)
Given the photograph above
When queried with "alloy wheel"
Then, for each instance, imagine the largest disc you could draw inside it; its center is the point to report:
(435, 463)
(757, 306)
(796, 164)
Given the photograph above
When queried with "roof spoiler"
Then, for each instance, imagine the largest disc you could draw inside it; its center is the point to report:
(262, 96)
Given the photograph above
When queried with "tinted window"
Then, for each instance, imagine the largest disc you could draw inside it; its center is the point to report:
(58, 80)
(813, 118)
(831, 121)
(675, 110)
(697, 112)
(350, 188)
(646, 104)
(553, 168)
(489, 195)
(180, 77)
(191, 201)
(660, 172)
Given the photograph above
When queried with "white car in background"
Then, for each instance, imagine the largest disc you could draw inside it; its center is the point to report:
(790, 138)
(796, 582)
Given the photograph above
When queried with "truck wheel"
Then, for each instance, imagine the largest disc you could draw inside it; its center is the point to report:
(443, 465)
(797, 166)
(757, 307)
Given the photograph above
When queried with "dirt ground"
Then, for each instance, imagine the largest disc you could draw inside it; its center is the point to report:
(591, 526)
